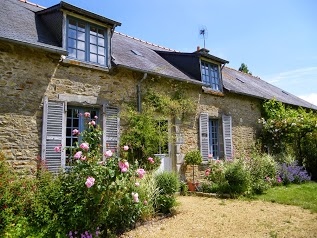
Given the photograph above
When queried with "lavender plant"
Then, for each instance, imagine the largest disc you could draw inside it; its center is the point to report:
(293, 173)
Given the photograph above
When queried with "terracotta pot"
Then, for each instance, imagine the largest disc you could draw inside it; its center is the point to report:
(192, 186)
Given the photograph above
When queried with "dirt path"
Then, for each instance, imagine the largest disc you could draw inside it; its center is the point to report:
(211, 217)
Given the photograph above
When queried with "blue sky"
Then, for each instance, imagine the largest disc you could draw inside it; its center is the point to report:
(277, 39)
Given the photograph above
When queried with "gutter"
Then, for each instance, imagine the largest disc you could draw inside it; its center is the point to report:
(49, 49)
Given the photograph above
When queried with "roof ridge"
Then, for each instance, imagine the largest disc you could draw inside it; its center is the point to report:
(257, 77)
(146, 42)
(33, 4)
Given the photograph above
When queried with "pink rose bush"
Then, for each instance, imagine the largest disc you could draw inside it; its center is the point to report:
(78, 155)
(90, 182)
(93, 123)
(87, 114)
(141, 173)
(124, 166)
(84, 146)
(125, 148)
(135, 197)
(76, 132)
(151, 160)
(108, 153)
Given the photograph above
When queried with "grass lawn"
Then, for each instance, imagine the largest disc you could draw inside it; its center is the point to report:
(302, 195)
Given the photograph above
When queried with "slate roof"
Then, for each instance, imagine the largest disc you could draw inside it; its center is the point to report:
(20, 24)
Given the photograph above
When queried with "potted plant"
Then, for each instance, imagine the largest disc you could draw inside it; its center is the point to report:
(193, 158)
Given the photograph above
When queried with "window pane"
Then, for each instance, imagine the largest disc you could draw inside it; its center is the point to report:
(81, 45)
(75, 122)
(101, 50)
(93, 30)
(81, 35)
(101, 59)
(101, 42)
(81, 55)
(101, 33)
(93, 48)
(71, 43)
(72, 52)
(72, 33)
(93, 58)
(81, 26)
(72, 23)
(69, 122)
(93, 40)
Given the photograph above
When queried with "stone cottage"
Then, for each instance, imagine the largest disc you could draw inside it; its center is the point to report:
(59, 62)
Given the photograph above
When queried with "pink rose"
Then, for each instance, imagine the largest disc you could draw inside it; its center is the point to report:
(137, 184)
(135, 197)
(78, 155)
(87, 114)
(141, 173)
(76, 132)
(151, 160)
(108, 153)
(125, 147)
(57, 149)
(124, 166)
(93, 123)
(83, 158)
(209, 156)
(84, 146)
(145, 202)
(80, 114)
(90, 182)
(96, 117)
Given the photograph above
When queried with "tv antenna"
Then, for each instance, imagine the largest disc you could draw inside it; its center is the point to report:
(204, 34)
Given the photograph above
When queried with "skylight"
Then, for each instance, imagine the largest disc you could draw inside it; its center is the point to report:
(136, 52)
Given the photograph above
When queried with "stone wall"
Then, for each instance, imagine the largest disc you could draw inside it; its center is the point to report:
(27, 75)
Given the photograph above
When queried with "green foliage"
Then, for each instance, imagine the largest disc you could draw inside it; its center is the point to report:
(193, 158)
(237, 179)
(290, 130)
(244, 68)
(168, 184)
(107, 194)
(263, 172)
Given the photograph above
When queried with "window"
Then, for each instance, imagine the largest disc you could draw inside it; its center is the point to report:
(86, 42)
(214, 137)
(76, 120)
(210, 136)
(210, 75)
(59, 121)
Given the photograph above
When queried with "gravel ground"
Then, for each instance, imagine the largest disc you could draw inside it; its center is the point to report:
(212, 217)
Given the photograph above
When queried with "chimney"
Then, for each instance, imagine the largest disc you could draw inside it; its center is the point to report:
(198, 48)
(202, 50)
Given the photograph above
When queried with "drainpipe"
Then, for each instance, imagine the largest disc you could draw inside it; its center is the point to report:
(138, 91)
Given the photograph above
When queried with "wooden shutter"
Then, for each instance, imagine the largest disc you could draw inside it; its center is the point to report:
(227, 136)
(204, 135)
(53, 134)
(111, 128)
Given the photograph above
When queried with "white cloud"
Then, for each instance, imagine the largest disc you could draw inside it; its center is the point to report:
(297, 75)
(312, 98)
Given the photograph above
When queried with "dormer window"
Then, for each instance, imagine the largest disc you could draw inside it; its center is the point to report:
(86, 42)
(210, 75)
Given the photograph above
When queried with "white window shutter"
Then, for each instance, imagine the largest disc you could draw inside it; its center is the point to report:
(204, 135)
(227, 135)
(111, 128)
(53, 134)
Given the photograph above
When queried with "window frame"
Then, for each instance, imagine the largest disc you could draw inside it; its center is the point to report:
(87, 41)
(214, 139)
(207, 69)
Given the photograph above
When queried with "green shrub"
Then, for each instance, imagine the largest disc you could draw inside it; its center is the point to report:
(167, 184)
(183, 188)
(263, 169)
(237, 179)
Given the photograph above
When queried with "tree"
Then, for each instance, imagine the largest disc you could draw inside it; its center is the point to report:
(244, 68)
